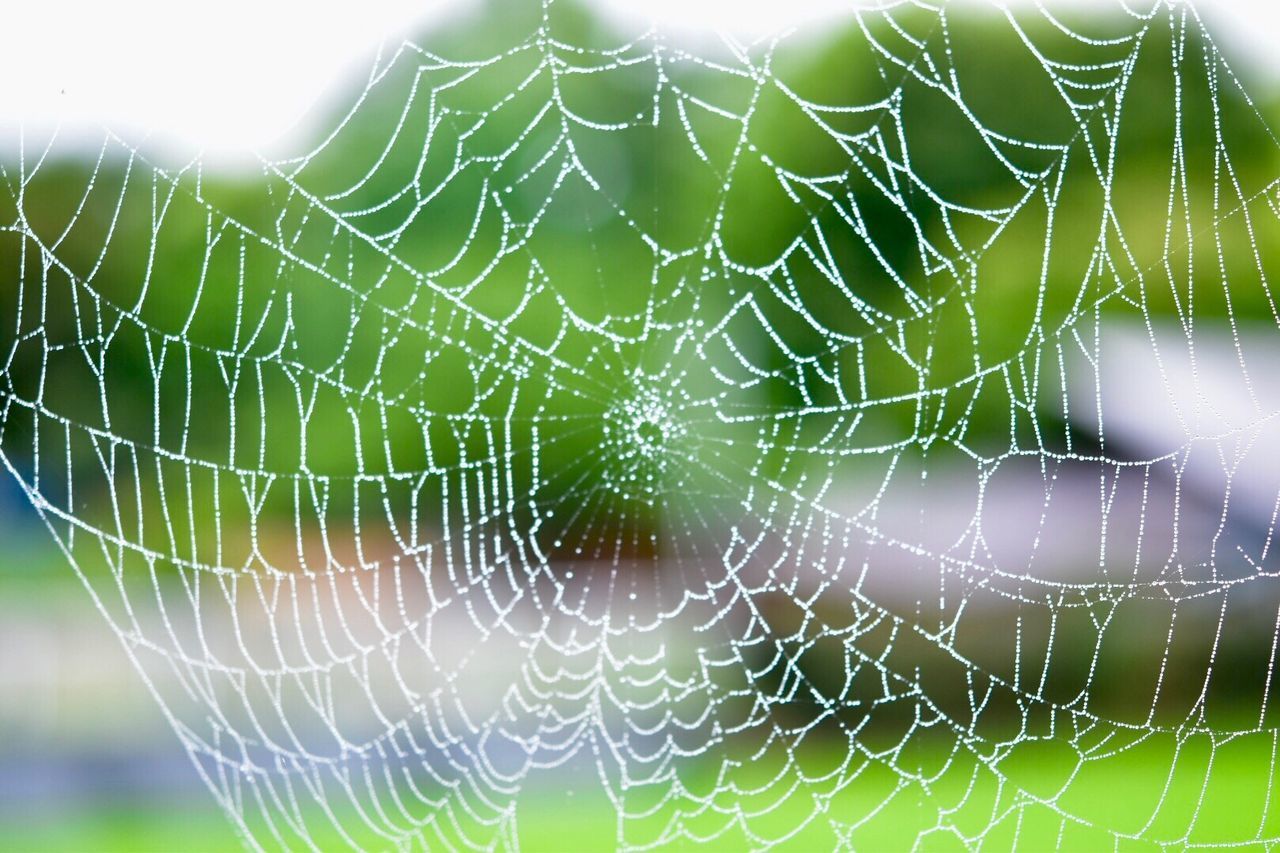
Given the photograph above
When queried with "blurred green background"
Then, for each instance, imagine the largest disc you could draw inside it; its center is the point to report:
(86, 759)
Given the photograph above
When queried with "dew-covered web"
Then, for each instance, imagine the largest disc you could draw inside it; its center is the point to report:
(857, 437)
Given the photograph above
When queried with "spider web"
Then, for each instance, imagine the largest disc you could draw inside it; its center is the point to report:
(799, 441)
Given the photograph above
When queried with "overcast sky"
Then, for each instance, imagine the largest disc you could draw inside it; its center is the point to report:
(240, 74)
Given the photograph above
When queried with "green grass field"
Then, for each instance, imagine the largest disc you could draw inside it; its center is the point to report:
(1139, 798)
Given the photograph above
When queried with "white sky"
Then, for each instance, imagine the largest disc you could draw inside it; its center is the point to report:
(237, 75)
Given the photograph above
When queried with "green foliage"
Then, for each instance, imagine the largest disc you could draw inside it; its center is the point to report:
(376, 306)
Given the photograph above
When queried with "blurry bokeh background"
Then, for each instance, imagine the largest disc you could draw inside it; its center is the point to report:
(87, 760)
